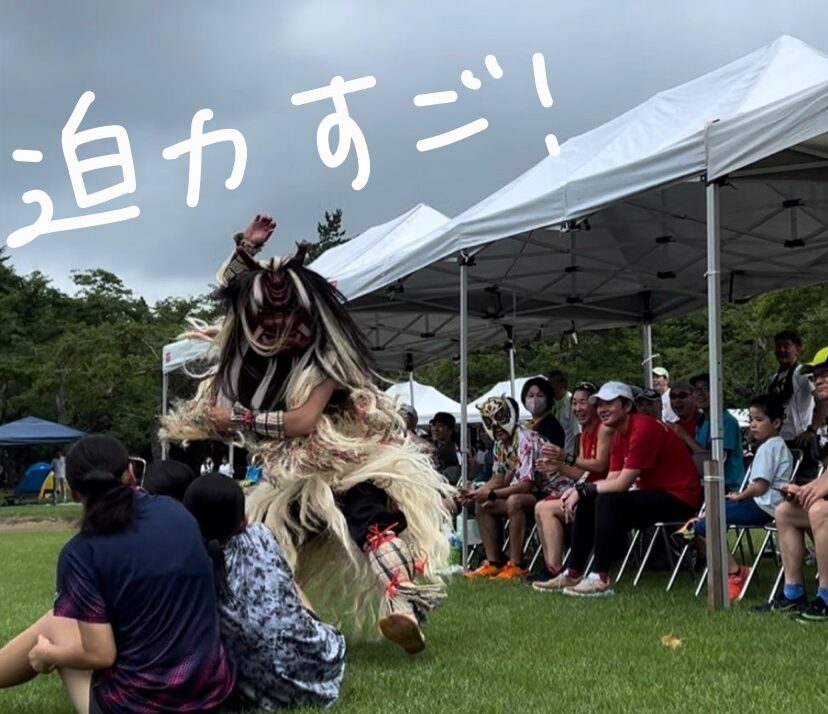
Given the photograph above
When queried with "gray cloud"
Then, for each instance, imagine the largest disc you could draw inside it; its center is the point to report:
(153, 64)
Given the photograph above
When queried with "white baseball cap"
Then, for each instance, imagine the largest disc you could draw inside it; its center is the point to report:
(610, 391)
(661, 372)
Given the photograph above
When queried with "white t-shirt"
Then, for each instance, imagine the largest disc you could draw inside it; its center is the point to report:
(667, 413)
(59, 467)
(772, 463)
(226, 470)
(799, 409)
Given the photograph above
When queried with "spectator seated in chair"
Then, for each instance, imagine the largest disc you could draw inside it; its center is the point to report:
(769, 472)
(649, 402)
(643, 451)
(591, 463)
(686, 409)
(562, 407)
(805, 509)
(539, 399)
(516, 485)
(700, 444)
(445, 453)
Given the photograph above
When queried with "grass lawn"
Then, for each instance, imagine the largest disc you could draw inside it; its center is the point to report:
(41, 512)
(500, 647)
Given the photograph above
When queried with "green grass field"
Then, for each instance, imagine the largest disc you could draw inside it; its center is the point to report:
(500, 647)
(41, 511)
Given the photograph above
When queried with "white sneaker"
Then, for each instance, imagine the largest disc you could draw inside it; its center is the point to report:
(559, 582)
(590, 586)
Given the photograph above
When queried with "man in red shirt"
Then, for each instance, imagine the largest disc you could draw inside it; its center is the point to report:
(687, 410)
(646, 452)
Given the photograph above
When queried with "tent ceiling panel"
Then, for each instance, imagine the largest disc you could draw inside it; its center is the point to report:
(613, 229)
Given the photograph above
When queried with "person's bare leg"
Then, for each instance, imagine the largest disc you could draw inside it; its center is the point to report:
(14, 658)
(517, 507)
(818, 518)
(488, 522)
(732, 563)
(792, 522)
(549, 517)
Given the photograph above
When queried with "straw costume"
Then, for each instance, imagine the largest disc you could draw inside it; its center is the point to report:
(354, 502)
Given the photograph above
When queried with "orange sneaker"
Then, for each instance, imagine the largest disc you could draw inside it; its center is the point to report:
(511, 572)
(735, 581)
(487, 570)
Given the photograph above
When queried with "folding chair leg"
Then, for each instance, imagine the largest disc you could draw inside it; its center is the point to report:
(680, 560)
(750, 545)
(776, 583)
(538, 554)
(646, 556)
(530, 538)
(668, 547)
(757, 557)
(702, 581)
(630, 550)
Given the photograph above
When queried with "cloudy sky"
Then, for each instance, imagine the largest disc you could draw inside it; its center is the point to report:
(152, 64)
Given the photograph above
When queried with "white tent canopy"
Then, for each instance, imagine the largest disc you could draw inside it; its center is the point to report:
(177, 354)
(499, 390)
(359, 265)
(612, 231)
(419, 334)
(427, 401)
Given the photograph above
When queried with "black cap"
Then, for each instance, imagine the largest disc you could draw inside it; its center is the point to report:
(444, 418)
(650, 395)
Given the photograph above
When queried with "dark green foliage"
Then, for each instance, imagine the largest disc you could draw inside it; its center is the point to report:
(681, 343)
(330, 233)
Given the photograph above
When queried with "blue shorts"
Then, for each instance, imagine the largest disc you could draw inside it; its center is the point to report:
(739, 513)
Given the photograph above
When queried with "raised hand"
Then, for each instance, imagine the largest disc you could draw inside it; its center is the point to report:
(260, 229)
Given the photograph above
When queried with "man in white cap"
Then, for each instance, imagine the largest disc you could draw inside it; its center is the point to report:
(661, 384)
(643, 451)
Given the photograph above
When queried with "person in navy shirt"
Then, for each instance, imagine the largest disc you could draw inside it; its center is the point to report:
(135, 626)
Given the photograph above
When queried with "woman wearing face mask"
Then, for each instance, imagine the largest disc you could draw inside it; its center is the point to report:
(539, 400)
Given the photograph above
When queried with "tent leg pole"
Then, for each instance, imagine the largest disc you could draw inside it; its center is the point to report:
(464, 397)
(512, 370)
(411, 389)
(647, 349)
(165, 445)
(714, 481)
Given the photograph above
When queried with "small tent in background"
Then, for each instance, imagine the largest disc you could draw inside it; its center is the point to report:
(427, 401)
(35, 482)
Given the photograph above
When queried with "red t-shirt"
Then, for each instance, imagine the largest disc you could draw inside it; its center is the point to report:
(664, 461)
(689, 425)
(589, 449)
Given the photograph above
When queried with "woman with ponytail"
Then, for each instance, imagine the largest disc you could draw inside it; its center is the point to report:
(134, 629)
(284, 655)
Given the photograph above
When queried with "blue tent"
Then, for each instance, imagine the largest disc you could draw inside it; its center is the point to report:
(33, 479)
(32, 430)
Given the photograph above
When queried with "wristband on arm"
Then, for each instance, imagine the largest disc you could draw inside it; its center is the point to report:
(586, 489)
